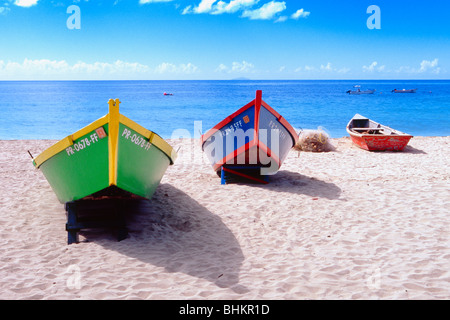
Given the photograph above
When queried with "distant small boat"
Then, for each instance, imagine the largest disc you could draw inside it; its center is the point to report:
(168, 94)
(251, 143)
(359, 91)
(404, 91)
(372, 136)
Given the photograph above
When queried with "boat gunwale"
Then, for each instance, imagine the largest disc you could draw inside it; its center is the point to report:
(357, 134)
(225, 121)
(152, 137)
(257, 102)
(68, 141)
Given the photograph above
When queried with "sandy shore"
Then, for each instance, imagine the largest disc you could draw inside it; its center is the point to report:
(347, 224)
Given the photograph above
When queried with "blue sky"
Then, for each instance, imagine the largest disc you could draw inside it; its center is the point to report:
(223, 39)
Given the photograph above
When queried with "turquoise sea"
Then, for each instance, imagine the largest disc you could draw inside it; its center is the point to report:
(56, 109)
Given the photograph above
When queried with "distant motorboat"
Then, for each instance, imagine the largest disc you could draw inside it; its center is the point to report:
(404, 91)
(359, 91)
(168, 94)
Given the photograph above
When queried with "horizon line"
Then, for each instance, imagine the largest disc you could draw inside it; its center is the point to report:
(30, 80)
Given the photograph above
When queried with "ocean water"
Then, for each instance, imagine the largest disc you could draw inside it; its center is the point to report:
(56, 109)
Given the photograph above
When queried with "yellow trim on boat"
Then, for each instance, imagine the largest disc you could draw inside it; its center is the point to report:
(162, 145)
(113, 118)
(152, 137)
(91, 127)
(68, 141)
(51, 151)
(135, 126)
(113, 139)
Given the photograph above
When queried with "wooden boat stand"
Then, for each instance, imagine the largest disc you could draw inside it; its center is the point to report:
(91, 214)
(229, 174)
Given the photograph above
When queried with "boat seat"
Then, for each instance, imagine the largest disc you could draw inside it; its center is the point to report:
(367, 129)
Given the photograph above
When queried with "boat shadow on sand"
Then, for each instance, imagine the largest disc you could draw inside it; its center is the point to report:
(409, 149)
(296, 183)
(175, 232)
(406, 150)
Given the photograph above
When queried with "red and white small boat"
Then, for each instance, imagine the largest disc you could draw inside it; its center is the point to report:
(372, 136)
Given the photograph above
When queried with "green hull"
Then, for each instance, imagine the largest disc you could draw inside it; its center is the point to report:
(141, 165)
(76, 175)
(114, 154)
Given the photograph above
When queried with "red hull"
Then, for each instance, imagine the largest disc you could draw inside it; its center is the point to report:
(381, 143)
(372, 136)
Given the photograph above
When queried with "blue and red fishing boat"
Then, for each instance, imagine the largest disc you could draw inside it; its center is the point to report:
(251, 143)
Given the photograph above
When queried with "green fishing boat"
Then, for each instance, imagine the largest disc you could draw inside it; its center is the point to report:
(111, 155)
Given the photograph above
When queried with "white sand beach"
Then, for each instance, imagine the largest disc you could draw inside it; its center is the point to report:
(346, 224)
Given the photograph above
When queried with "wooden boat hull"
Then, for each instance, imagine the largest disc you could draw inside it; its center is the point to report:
(255, 136)
(372, 143)
(112, 153)
(372, 136)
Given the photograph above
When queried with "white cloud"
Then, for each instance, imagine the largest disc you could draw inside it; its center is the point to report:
(61, 69)
(204, 6)
(152, 1)
(282, 19)
(373, 67)
(405, 69)
(426, 65)
(47, 67)
(188, 68)
(323, 69)
(187, 10)
(219, 7)
(25, 3)
(4, 11)
(233, 6)
(343, 70)
(30, 67)
(267, 12)
(300, 14)
(326, 68)
(236, 67)
(242, 67)
(116, 67)
(166, 67)
(306, 68)
(222, 68)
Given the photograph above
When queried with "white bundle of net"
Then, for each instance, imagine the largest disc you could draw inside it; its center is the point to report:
(313, 141)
